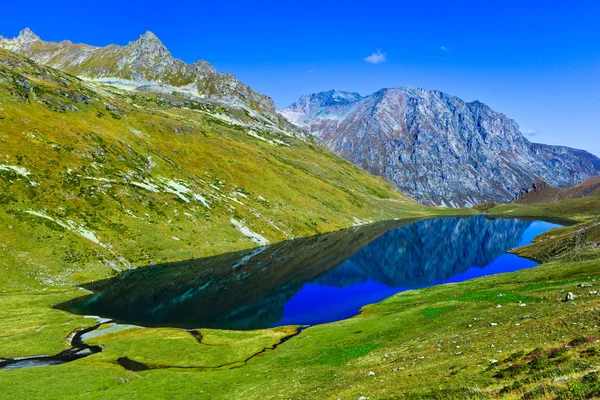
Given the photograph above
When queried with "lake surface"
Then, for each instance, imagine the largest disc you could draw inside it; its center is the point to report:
(313, 280)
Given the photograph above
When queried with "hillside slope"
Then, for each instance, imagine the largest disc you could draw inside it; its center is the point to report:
(94, 179)
(540, 191)
(509, 335)
(437, 148)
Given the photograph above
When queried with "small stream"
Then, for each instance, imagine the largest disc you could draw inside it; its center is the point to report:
(79, 349)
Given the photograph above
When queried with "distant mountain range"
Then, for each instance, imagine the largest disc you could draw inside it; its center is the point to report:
(435, 147)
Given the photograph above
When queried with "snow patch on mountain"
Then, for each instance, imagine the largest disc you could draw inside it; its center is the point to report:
(70, 226)
(255, 237)
(19, 171)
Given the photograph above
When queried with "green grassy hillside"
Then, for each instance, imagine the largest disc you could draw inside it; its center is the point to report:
(575, 209)
(541, 192)
(503, 336)
(94, 180)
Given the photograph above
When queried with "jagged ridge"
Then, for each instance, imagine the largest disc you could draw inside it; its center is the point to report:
(141, 63)
(437, 148)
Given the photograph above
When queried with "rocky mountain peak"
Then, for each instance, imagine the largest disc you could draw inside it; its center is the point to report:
(145, 64)
(27, 36)
(437, 148)
(203, 69)
(324, 99)
(22, 43)
(150, 45)
(479, 108)
(149, 36)
(477, 104)
(333, 98)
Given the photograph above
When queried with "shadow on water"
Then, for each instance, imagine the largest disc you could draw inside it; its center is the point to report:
(311, 280)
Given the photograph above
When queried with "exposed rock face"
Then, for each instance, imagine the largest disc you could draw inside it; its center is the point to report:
(297, 112)
(142, 63)
(435, 147)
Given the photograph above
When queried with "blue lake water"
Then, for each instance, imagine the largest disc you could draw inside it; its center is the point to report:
(313, 280)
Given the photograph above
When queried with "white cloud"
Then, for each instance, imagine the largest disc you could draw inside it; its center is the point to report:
(444, 48)
(376, 58)
(528, 132)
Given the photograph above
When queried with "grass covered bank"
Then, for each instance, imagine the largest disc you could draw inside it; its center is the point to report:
(448, 341)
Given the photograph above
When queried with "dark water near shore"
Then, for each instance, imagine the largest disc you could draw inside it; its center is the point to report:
(313, 280)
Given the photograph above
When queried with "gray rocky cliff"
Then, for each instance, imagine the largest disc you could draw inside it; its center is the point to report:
(435, 147)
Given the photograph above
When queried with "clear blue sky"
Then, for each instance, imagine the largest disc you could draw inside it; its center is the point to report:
(536, 61)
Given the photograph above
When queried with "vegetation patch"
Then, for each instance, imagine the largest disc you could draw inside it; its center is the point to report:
(496, 297)
(434, 313)
(335, 356)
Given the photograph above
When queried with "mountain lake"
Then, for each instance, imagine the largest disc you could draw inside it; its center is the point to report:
(312, 280)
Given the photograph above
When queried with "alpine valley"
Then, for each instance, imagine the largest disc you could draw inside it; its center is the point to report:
(435, 147)
(141, 159)
(166, 233)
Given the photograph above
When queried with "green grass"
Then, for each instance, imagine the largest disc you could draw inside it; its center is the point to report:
(495, 297)
(175, 348)
(430, 343)
(574, 209)
(579, 242)
(29, 327)
(442, 342)
(339, 356)
(433, 313)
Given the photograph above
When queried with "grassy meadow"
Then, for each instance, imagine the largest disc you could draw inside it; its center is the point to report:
(123, 181)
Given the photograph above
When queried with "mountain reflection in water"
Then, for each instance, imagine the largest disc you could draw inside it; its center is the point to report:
(311, 280)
